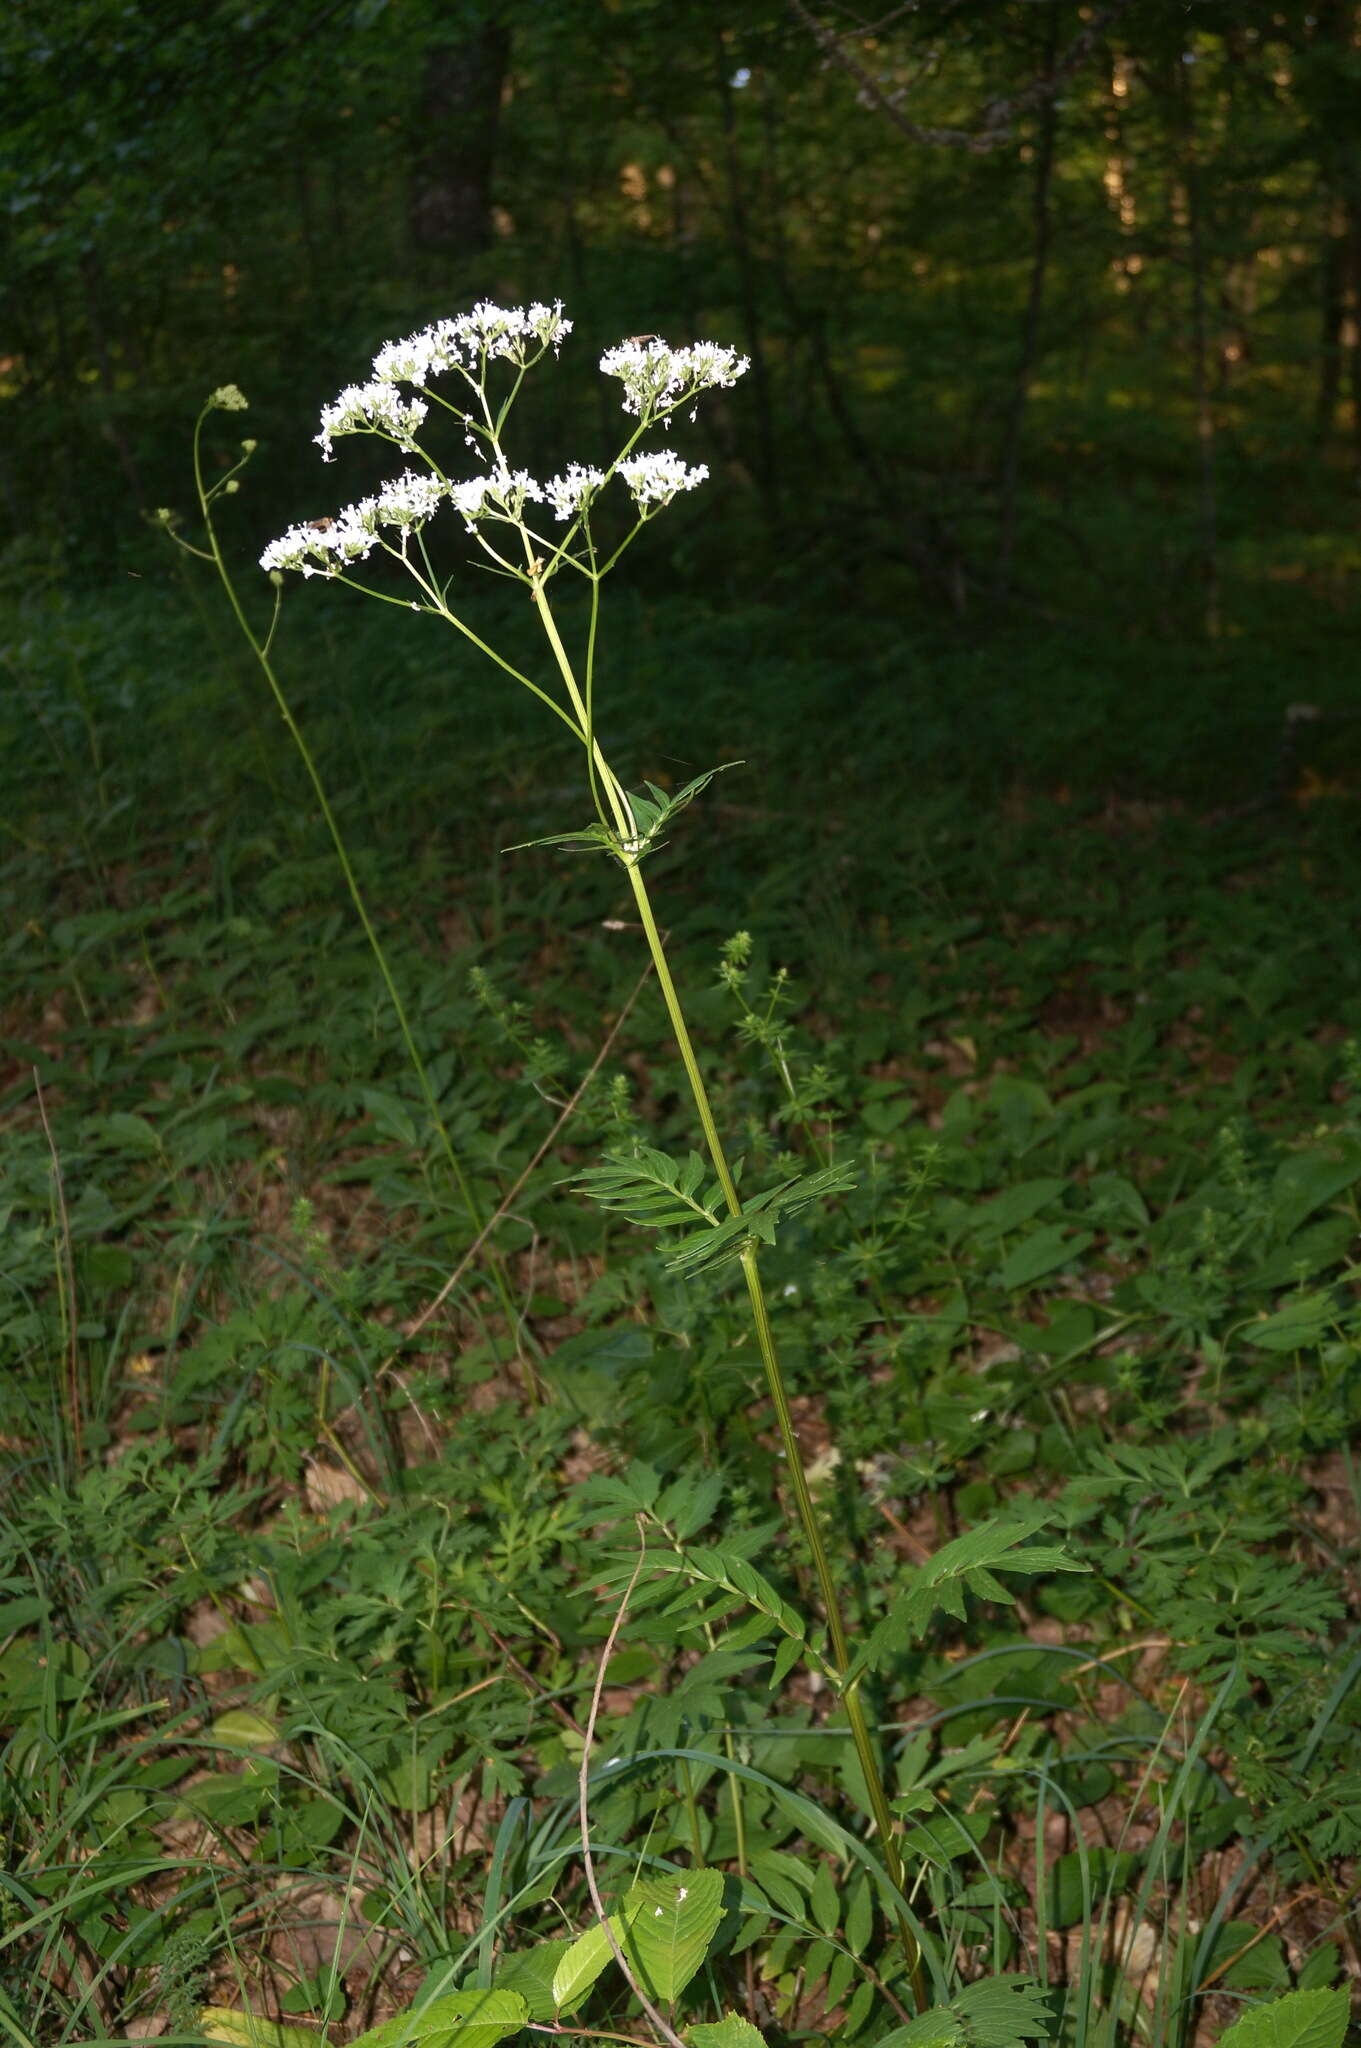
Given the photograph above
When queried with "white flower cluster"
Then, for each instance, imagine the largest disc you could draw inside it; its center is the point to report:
(501, 495)
(326, 546)
(655, 479)
(464, 343)
(370, 409)
(565, 493)
(657, 378)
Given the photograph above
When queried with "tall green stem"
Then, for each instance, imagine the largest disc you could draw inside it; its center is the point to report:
(803, 1499)
(841, 1655)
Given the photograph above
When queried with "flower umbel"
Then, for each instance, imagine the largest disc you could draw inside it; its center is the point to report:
(502, 495)
(655, 479)
(516, 334)
(325, 547)
(658, 378)
(371, 409)
(567, 493)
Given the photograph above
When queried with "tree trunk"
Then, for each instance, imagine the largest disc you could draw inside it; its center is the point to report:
(746, 283)
(460, 107)
(1200, 367)
(1332, 306)
(1042, 222)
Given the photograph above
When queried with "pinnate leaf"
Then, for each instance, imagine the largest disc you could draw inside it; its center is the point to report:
(967, 1565)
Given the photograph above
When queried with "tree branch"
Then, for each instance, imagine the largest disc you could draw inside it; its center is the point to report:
(995, 123)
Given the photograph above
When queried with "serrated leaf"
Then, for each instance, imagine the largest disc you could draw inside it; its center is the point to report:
(732, 2031)
(996, 2012)
(674, 1922)
(938, 2028)
(1302, 2019)
(463, 2019)
(588, 1957)
(531, 1974)
(244, 2030)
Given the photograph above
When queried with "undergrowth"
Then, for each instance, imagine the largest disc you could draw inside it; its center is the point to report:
(310, 1561)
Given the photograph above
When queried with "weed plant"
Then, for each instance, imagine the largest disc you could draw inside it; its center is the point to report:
(412, 1619)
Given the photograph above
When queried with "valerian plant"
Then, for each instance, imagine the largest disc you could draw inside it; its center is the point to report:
(465, 375)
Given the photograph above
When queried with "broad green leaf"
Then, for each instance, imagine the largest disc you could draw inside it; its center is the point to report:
(999, 2011)
(463, 2019)
(244, 2030)
(1013, 1207)
(531, 1973)
(1108, 1874)
(1300, 1326)
(1044, 1251)
(243, 1728)
(588, 1956)
(231, 1798)
(674, 1921)
(732, 2031)
(1305, 1181)
(129, 1132)
(1302, 2019)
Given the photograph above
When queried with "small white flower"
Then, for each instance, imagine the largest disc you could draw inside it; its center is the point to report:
(658, 378)
(409, 500)
(502, 495)
(370, 409)
(655, 479)
(566, 493)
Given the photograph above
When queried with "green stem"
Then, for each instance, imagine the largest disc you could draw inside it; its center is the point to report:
(260, 651)
(841, 1656)
(803, 1499)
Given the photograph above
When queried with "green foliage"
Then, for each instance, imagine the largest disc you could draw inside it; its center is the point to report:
(1302, 2019)
(302, 1607)
(651, 1189)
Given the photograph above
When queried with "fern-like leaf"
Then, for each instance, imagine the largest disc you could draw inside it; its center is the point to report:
(968, 1565)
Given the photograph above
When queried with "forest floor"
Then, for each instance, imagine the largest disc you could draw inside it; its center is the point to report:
(327, 1432)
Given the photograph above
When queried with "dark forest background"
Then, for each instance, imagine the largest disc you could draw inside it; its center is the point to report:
(1051, 308)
